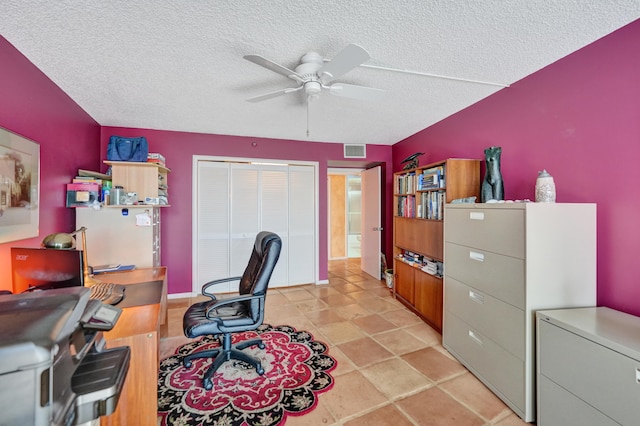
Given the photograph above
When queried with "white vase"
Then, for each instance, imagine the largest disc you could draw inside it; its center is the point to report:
(545, 188)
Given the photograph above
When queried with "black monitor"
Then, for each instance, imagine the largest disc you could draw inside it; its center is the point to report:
(43, 269)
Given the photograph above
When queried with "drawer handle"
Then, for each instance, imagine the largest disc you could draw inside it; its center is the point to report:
(478, 298)
(476, 215)
(474, 255)
(475, 337)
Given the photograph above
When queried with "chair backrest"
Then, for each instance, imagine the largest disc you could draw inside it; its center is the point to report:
(264, 257)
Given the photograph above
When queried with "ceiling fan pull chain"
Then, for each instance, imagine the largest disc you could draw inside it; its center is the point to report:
(308, 102)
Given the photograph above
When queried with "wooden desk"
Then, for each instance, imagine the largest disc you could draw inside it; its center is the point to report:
(139, 328)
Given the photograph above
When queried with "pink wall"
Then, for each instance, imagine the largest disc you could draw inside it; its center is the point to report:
(579, 119)
(179, 149)
(33, 107)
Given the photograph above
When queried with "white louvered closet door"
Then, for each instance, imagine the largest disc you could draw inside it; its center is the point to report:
(274, 186)
(238, 200)
(211, 231)
(244, 216)
(302, 225)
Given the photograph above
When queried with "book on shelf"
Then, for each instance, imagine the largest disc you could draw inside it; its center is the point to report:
(431, 178)
(432, 205)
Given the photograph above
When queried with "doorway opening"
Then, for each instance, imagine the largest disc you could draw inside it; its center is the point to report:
(345, 213)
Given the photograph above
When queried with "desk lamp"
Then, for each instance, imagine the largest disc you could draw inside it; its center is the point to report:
(64, 241)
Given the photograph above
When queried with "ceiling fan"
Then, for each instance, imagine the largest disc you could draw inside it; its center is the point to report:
(313, 75)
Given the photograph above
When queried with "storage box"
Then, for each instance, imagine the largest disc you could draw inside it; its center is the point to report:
(82, 194)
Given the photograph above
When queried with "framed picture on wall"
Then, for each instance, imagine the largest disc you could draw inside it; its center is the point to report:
(19, 187)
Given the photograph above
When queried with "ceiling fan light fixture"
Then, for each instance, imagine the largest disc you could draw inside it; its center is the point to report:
(312, 88)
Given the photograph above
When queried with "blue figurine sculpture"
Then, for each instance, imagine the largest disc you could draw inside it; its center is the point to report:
(492, 185)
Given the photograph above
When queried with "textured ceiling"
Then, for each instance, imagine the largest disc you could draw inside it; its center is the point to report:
(178, 65)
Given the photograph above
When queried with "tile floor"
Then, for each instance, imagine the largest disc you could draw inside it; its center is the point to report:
(392, 368)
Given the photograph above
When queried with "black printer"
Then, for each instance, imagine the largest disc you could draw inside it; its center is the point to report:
(54, 367)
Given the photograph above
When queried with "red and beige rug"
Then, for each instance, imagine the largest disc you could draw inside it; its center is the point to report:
(296, 370)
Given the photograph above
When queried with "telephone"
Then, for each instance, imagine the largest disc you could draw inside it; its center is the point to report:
(99, 316)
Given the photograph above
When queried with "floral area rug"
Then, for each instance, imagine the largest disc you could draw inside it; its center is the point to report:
(296, 371)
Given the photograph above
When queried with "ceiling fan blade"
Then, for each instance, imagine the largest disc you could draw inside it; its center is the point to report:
(356, 92)
(274, 94)
(270, 65)
(346, 60)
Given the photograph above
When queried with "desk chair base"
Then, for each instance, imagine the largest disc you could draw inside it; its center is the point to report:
(225, 353)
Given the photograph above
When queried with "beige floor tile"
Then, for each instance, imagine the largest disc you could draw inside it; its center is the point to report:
(395, 378)
(338, 300)
(433, 407)
(402, 317)
(340, 332)
(471, 392)
(298, 295)
(373, 324)
(433, 364)
(378, 305)
(345, 365)
(311, 305)
(322, 291)
(324, 317)
(399, 341)
(346, 288)
(352, 394)
(425, 333)
(388, 415)
(364, 351)
(275, 314)
(352, 312)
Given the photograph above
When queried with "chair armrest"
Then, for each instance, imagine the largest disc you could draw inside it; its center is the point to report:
(231, 300)
(205, 286)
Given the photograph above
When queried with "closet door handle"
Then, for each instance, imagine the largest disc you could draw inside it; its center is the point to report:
(476, 215)
(474, 255)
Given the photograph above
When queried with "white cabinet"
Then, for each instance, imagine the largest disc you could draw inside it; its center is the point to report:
(588, 367)
(114, 237)
(503, 262)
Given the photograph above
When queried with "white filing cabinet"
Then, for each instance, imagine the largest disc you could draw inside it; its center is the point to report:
(502, 263)
(588, 367)
(114, 237)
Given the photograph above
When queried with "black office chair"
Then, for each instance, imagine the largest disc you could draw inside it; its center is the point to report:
(244, 312)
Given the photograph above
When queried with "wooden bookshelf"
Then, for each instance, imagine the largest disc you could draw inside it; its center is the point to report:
(419, 198)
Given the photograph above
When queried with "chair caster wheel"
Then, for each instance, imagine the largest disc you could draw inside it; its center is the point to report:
(261, 345)
(187, 364)
(208, 384)
(260, 370)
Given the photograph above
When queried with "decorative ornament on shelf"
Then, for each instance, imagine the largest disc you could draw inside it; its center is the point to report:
(492, 185)
(412, 161)
(545, 188)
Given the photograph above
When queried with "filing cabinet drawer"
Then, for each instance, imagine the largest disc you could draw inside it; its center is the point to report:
(496, 230)
(499, 321)
(559, 407)
(605, 379)
(501, 371)
(500, 276)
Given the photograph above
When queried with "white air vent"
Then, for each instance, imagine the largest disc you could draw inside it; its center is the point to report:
(355, 151)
